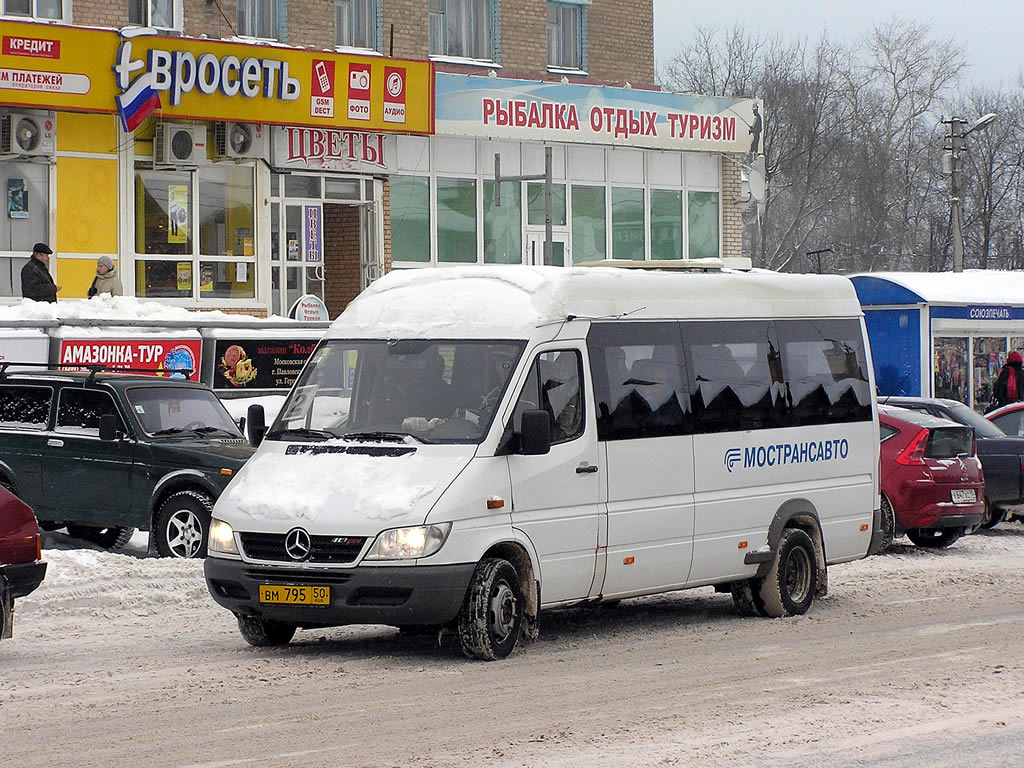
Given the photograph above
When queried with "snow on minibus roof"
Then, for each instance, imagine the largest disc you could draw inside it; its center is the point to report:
(509, 302)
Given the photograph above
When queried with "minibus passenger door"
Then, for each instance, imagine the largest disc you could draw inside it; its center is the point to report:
(556, 496)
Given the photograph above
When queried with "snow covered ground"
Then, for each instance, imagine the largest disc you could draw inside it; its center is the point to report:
(914, 657)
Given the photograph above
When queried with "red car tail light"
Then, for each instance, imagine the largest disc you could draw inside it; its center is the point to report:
(913, 454)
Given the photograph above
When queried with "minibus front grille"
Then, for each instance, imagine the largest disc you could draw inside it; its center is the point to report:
(323, 549)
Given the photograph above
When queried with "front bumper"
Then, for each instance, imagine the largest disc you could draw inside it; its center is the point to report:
(393, 595)
(23, 578)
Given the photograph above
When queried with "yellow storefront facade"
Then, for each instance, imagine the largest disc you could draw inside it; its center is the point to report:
(216, 174)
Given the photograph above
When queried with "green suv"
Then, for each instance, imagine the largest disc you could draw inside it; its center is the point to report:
(104, 454)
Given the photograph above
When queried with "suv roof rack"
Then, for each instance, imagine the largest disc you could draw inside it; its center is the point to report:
(93, 369)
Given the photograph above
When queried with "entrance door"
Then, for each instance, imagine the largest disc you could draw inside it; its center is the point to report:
(292, 274)
(559, 249)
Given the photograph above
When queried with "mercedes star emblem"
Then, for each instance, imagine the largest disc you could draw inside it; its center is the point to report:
(297, 544)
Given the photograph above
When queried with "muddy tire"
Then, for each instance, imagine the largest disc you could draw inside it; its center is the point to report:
(935, 538)
(183, 525)
(491, 617)
(991, 517)
(264, 633)
(112, 538)
(888, 526)
(746, 595)
(788, 588)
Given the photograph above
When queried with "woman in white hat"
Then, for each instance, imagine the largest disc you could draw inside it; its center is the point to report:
(106, 280)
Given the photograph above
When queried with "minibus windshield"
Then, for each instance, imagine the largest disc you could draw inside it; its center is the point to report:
(432, 391)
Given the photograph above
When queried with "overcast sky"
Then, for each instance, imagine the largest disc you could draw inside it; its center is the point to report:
(992, 31)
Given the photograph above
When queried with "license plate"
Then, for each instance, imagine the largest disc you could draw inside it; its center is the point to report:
(964, 496)
(291, 594)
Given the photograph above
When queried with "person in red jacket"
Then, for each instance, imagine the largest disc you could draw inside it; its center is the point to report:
(1009, 387)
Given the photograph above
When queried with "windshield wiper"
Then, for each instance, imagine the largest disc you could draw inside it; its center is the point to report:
(382, 435)
(302, 432)
(168, 431)
(211, 430)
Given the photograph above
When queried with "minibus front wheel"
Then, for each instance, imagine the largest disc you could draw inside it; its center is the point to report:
(790, 585)
(491, 617)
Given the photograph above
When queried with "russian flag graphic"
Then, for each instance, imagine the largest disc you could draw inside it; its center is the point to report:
(138, 102)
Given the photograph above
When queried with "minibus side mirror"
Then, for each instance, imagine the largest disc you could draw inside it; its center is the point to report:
(256, 424)
(535, 433)
(108, 427)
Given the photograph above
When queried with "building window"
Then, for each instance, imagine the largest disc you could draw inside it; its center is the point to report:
(461, 28)
(503, 226)
(410, 218)
(258, 18)
(171, 262)
(628, 224)
(702, 224)
(565, 36)
(456, 220)
(37, 9)
(666, 224)
(535, 205)
(355, 23)
(588, 224)
(162, 14)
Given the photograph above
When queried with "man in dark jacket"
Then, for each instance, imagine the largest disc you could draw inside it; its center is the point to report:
(36, 282)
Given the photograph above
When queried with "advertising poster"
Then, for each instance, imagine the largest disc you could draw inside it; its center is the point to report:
(177, 358)
(313, 216)
(185, 276)
(260, 363)
(177, 213)
(17, 199)
(205, 278)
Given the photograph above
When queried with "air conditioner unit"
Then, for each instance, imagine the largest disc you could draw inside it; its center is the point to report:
(238, 140)
(176, 144)
(28, 135)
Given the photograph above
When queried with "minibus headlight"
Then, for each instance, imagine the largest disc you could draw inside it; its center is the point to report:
(222, 538)
(409, 543)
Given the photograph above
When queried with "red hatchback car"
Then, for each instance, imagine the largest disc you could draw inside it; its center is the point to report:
(21, 566)
(933, 488)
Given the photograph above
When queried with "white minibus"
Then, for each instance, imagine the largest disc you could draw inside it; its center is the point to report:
(469, 447)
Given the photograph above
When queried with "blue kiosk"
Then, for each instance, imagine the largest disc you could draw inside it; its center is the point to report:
(942, 334)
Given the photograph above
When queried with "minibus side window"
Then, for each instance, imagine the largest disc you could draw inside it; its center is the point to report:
(826, 371)
(554, 385)
(737, 380)
(638, 377)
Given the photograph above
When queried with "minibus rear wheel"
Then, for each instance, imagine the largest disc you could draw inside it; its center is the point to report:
(491, 617)
(788, 588)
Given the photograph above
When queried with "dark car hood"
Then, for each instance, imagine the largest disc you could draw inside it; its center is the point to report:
(202, 453)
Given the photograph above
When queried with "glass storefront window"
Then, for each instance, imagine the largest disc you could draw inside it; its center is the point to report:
(410, 218)
(666, 224)
(503, 227)
(702, 224)
(163, 279)
(456, 220)
(227, 222)
(950, 368)
(227, 280)
(989, 356)
(302, 186)
(628, 224)
(27, 220)
(588, 224)
(535, 205)
(163, 212)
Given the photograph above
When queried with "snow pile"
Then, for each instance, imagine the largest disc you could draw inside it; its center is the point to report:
(348, 488)
(239, 406)
(107, 307)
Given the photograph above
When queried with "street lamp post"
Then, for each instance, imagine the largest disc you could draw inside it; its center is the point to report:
(954, 148)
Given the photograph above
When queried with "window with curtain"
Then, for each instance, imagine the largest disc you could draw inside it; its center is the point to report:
(565, 35)
(702, 224)
(456, 220)
(258, 18)
(460, 28)
(355, 23)
(588, 224)
(153, 13)
(628, 224)
(503, 226)
(410, 218)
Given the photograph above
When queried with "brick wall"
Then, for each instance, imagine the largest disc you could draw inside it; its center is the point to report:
(341, 256)
(621, 41)
(311, 23)
(386, 207)
(411, 32)
(205, 18)
(524, 43)
(100, 13)
(732, 212)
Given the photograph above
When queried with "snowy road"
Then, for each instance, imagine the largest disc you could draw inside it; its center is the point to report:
(121, 660)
